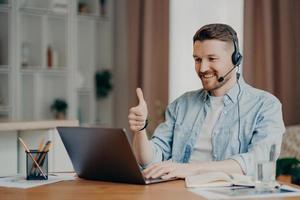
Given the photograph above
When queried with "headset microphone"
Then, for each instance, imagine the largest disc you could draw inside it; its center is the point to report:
(221, 79)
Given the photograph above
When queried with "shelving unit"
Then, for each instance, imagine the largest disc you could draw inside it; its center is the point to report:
(5, 68)
(93, 49)
(78, 43)
(50, 52)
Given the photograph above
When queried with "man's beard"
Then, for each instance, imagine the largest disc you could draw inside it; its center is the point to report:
(215, 85)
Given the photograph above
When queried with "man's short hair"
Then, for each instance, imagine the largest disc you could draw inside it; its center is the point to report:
(221, 32)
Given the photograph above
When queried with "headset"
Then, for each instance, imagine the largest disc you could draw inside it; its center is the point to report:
(236, 59)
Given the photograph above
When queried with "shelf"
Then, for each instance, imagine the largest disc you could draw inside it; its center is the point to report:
(36, 125)
(4, 69)
(4, 109)
(5, 7)
(59, 71)
(90, 16)
(84, 91)
(42, 11)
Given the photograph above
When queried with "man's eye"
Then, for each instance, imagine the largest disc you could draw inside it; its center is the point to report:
(212, 59)
(198, 60)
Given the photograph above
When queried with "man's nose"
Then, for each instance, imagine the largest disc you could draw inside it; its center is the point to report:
(204, 67)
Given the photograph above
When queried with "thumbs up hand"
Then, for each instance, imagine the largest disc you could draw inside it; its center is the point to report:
(138, 115)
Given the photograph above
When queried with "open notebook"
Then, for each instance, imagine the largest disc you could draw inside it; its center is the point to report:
(218, 179)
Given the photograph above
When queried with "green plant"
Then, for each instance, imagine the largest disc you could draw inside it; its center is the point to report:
(103, 83)
(59, 105)
(289, 166)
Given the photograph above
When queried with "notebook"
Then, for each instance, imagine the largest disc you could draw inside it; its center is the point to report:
(218, 179)
(103, 154)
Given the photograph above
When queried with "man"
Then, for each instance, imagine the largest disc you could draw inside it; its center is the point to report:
(226, 126)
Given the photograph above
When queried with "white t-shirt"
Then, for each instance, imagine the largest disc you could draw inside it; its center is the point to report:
(203, 147)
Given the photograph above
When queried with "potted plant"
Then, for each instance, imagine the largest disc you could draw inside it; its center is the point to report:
(288, 170)
(103, 83)
(59, 107)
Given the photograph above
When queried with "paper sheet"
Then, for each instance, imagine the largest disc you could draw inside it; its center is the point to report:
(20, 181)
(244, 193)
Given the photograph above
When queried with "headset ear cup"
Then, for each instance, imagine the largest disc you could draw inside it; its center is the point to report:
(236, 58)
(239, 59)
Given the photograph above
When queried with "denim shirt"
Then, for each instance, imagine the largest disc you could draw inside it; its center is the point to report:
(261, 125)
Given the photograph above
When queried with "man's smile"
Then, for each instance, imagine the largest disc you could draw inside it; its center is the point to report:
(207, 75)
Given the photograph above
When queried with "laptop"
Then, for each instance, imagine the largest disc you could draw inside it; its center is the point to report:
(103, 154)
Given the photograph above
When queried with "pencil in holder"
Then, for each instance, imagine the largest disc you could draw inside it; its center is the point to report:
(33, 172)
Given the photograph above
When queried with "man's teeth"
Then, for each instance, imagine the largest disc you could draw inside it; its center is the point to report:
(208, 76)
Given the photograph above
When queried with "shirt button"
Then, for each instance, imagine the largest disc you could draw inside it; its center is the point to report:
(215, 155)
(225, 112)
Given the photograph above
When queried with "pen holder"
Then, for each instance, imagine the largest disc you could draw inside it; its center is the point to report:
(33, 172)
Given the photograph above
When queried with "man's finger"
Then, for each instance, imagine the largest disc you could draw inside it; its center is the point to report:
(136, 118)
(159, 173)
(136, 123)
(169, 176)
(136, 111)
(148, 172)
(148, 169)
(140, 95)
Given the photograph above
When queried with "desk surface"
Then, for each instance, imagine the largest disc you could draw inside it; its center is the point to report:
(83, 189)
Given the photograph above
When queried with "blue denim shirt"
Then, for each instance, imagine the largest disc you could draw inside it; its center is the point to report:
(261, 125)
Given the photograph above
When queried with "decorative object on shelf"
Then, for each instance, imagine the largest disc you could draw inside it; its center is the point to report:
(103, 83)
(83, 7)
(25, 54)
(59, 6)
(59, 107)
(49, 56)
(288, 170)
(3, 2)
(103, 7)
(52, 57)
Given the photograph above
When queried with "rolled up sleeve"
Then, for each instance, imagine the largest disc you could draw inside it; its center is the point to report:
(268, 131)
(162, 138)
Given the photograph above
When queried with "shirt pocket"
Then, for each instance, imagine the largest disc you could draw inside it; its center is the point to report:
(226, 142)
(181, 136)
(234, 144)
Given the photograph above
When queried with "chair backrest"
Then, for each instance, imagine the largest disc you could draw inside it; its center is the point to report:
(291, 142)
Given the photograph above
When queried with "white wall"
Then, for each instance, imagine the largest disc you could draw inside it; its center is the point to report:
(121, 82)
(186, 17)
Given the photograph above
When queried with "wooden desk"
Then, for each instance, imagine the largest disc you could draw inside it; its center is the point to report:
(83, 189)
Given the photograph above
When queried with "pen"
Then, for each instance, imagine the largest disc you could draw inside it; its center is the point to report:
(36, 156)
(46, 149)
(42, 155)
(27, 150)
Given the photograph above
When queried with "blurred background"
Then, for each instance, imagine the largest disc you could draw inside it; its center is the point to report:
(63, 59)
(83, 59)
